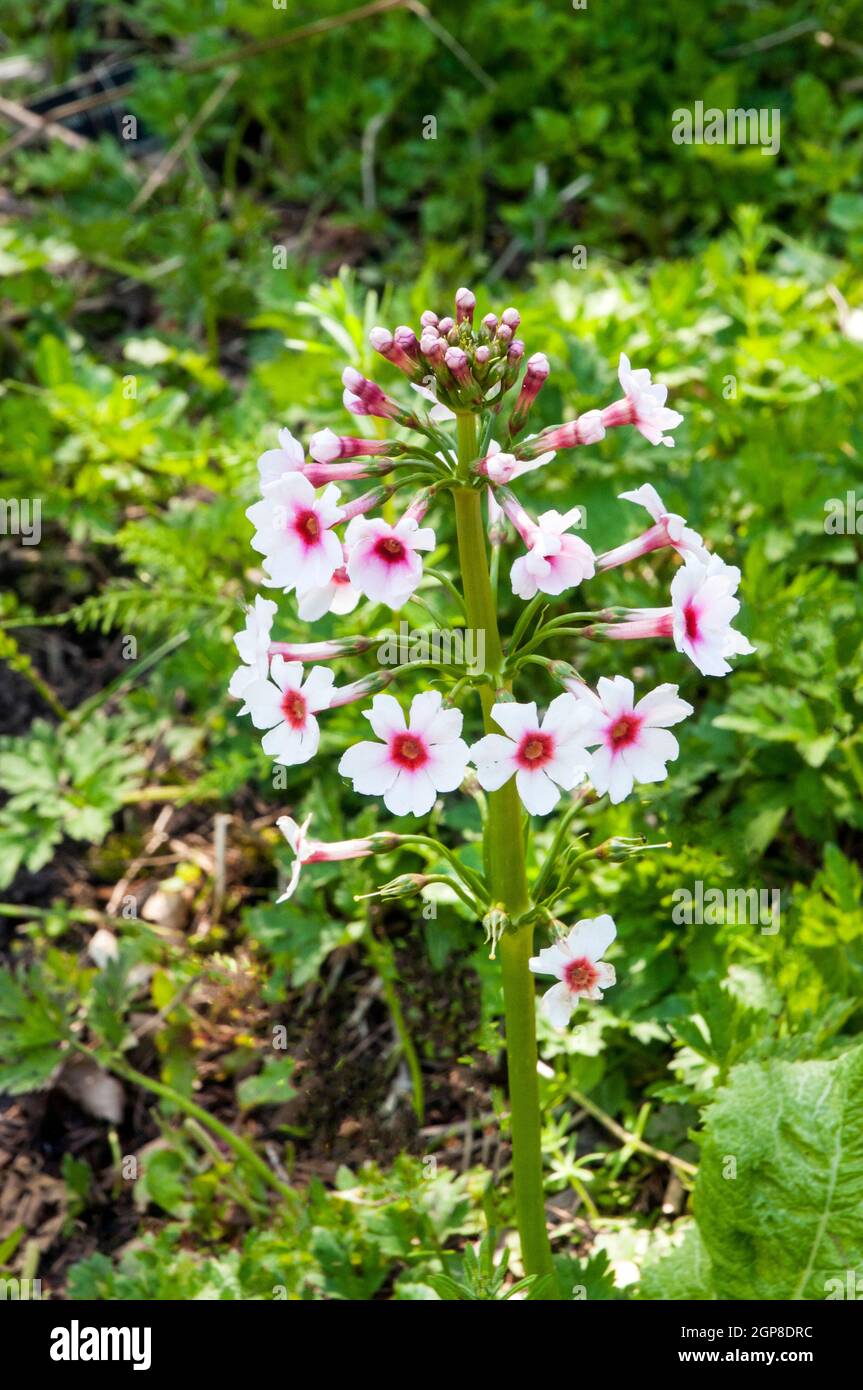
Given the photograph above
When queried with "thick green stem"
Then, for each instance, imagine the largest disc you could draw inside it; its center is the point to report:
(505, 856)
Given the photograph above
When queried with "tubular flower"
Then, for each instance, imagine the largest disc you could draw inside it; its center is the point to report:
(555, 560)
(286, 706)
(703, 607)
(383, 559)
(576, 961)
(308, 851)
(413, 761)
(633, 741)
(294, 532)
(670, 529)
(643, 405)
(543, 756)
(253, 647)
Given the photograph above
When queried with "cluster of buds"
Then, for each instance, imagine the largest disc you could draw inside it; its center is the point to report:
(466, 365)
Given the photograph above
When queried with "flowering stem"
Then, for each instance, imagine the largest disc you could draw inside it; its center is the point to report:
(504, 844)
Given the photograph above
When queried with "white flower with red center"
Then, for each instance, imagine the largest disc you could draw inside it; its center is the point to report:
(383, 560)
(294, 532)
(703, 608)
(308, 851)
(633, 741)
(555, 560)
(338, 595)
(288, 458)
(643, 405)
(253, 647)
(413, 761)
(543, 756)
(670, 529)
(576, 962)
(286, 706)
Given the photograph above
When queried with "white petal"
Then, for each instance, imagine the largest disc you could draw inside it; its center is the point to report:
(386, 716)
(538, 793)
(592, 937)
(557, 1005)
(516, 719)
(367, 764)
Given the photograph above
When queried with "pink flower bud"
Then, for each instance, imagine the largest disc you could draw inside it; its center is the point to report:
(504, 333)
(465, 303)
(444, 326)
(490, 322)
(429, 319)
(482, 356)
(456, 360)
(432, 348)
(325, 446)
(515, 351)
(406, 339)
(511, 317)
(383, 342)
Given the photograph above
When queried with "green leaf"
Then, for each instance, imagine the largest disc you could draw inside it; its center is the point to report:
(271, 1086)
(779, 1195)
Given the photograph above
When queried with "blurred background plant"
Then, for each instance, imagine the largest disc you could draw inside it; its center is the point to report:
(169, 301)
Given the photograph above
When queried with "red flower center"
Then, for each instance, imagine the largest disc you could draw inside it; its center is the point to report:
(409, 751)
(390, 550)
(308, 526)
(690, 617)
(535, 750)
(624, 731)
(294, 708)
(580, 975)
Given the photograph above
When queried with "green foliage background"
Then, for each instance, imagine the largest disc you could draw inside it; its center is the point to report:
(719, 268)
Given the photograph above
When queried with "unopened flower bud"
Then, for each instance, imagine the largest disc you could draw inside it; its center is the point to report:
(490, 322)
(432, 348)
(504, 333)
(429, 319)
(456, 360)
(383, 342)
(406, 339)
(515, 351)
(465, 303)
(444, 326)
(511, 317)
(482, 356)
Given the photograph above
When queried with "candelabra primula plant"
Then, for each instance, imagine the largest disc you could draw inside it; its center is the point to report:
(460, 442)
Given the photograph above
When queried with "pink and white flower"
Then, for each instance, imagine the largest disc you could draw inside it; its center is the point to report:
(576, 962)
(253, 647)
(703, 607)
(338, 595)
(643, 405)
(286, 706)
(543, 756)
(633, 741)
(414, 761)
(383, 559)
(294, 532)
(670, 529)
(308, 851)
(555, 560)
